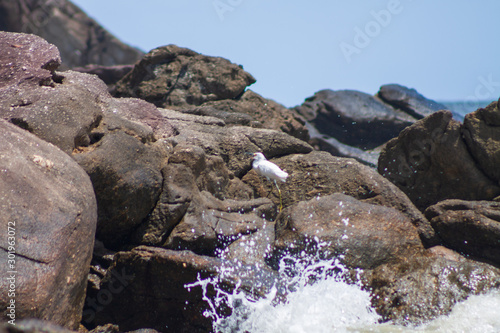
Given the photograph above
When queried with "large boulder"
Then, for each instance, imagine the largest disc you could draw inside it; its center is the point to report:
(147, 288)
(431, 162)
(354, 118)
(127, 185)
(319, 174)
(422, 288)
(174, 76)
(48, 207)
(408, 100)
(482, 135)
(364, 235)
(470, 227)
(80, 39)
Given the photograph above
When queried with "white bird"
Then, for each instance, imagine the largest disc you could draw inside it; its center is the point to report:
(269, 170)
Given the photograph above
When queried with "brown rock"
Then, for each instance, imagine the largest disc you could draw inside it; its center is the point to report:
(482, 135)
(267, 112)
(430, 162)
(127, 185)
(425, 287)
(175, 76)
(470, 227)
(319, 173)
(155, 293)
(47, 204)
(231, 143)
(365, 235)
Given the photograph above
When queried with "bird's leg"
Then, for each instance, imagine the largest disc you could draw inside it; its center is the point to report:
(279, 192)
(271, 191)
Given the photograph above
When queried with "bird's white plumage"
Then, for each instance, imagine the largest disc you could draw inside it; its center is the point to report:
(268, 169)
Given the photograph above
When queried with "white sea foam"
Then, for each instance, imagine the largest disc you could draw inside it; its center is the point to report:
(330, 304)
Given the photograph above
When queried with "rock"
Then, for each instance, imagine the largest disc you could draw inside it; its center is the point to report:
(194, 212)
(319, 174)
(336, 148)
(63, 115)
(408, 100)
(430, 162)
(481, 131)
(80, 39)
(48, 205)
(353, 117)
(108, 74)
(470, 227)
(266, 112)
(127, 185)
(138, 111)
(174, 76)
(231, 143)
(425, 287)
(253, 249)
(156, 278)
(27, 60)
(365, 235)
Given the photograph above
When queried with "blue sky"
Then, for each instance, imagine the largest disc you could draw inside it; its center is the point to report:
(447, 50)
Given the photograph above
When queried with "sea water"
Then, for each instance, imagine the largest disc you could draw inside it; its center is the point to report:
(320, 300)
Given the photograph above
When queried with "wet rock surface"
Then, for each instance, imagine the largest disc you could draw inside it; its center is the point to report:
(178, 201)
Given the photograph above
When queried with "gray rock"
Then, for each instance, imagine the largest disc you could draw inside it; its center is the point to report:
(354, 118)
(408, 100)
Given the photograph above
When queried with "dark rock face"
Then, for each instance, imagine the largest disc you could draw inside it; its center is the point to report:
(154, 293)
(353, 117)
(470, 227)
(80, 39)
(408, 100)
(423, 288)
(482, 135)
(48, 202)
(174, 76)
(430, 162)
(127, 184)
(366, 235)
